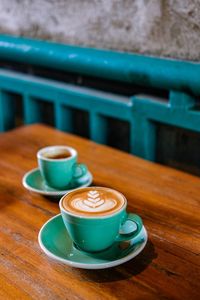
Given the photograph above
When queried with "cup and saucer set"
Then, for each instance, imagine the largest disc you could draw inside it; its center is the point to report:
(94, 229)
(58, 172)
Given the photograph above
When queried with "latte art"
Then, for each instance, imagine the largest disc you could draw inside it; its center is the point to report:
(93, 201)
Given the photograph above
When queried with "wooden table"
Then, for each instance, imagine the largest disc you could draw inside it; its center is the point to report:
(166, 199)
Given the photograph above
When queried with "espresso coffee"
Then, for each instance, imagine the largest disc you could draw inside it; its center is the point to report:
(93, 202)
(57, 155)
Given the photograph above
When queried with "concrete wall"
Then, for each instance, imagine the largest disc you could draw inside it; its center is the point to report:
(168, 28)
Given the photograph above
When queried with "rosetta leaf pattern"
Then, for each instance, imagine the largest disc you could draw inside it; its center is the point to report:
(94, 200)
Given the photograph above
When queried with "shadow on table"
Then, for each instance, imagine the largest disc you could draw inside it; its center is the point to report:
(124, 271)
(55, 199)
(7, 196)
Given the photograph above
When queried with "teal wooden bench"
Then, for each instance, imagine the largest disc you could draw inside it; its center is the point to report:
(143, 112)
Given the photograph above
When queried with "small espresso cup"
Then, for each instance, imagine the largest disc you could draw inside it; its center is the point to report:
(96, 217)
(58, 166)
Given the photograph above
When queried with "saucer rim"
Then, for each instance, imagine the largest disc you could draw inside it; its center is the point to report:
(85, 265)
(52, 193)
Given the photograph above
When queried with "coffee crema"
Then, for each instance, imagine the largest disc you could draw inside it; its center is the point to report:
(93, 201)
(62, 154)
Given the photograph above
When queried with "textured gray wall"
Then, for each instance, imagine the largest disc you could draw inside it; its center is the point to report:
(159, 27)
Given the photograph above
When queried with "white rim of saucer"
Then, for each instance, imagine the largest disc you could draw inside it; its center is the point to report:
(92, 266)
(52, 193)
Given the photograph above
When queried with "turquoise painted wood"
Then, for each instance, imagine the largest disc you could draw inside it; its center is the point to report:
(144, 70)
(179, 111)
(7, 111)
(65, 97)
(180, 78)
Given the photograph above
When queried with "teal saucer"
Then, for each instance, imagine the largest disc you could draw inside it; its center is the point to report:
(54, 240)
(34, 182)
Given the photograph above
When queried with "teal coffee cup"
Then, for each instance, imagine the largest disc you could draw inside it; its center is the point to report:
(96, 217)
(58, 166)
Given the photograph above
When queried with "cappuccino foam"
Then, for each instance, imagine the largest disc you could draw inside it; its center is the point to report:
(93, 202)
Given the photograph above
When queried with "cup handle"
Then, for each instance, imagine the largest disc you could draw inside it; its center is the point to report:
(79, 170)
(126, 230)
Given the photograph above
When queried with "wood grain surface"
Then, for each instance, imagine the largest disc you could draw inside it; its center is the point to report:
(166, 199)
